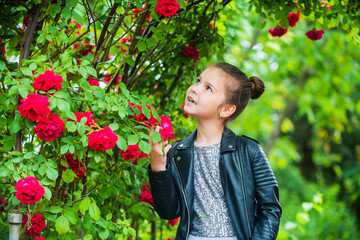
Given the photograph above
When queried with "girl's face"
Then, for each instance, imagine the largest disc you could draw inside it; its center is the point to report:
(204, 99)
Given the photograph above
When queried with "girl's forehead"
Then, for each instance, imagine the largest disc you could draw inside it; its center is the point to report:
(214, 76)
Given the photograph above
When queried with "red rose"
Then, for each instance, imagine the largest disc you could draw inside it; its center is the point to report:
(277, 31)
(39, 238)
(29, 191)
(49, 128)
(93, 81)
(47, 81)
(191, 51)
(293, 18)
(34, 107)
(85, 48)
(133, 153)
(75, 165)
(166, 130)
(102, 140)
(167, 8)
(3, 204)
(146, 194)
(314, 34)
(36, 225)
(141, 117)
(173, 222)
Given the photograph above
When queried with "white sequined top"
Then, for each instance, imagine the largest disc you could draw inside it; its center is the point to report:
(211, 217)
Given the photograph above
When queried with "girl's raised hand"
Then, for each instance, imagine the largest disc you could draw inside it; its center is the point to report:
(157, 156)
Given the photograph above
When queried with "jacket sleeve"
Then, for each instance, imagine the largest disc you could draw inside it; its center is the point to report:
(267, 196)
(164, 192)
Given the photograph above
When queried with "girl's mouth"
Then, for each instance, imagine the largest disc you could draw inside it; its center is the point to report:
(190, 99)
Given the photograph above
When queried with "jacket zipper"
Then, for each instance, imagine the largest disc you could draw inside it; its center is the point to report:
(182, 191)
(243, 192)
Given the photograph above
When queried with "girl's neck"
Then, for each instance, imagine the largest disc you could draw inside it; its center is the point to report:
(209, 133)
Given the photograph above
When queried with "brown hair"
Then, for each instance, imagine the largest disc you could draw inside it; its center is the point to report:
(241, 88)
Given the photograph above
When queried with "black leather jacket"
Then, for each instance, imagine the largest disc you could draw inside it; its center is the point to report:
(250, 188)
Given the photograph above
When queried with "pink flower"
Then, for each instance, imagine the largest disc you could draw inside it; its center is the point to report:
(36, 225)
(191, 51)
(314, 34)
(25, 22)
(133, 153)
(29, 190)
(102, 140)
(293, 18)
(277, 31)
(47, 81)
(49, 128)
(173, 222)
(167, 8)
(34, 107)
(166, 130)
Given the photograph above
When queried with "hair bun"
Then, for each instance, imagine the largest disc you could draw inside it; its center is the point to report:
(257, 87)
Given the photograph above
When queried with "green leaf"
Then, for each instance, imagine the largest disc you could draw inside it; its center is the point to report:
(71, 215)
(84, 141)
(121, 143)
(156, 137)
(68, 176)
(114, 126)
(70, 126)
(55, 209)
(83, 72)
(62, 225)
(91, 71)
(103, 233)
(132, 139)
(81, 128)
(15, 126)
(14, 90)
(141, 46)
(79, 19)
(2, 66)
(63, 105)
(23, 91)
(71, 3)
(64, 149)
(61, 94)
(66, 13)
(42, 170)
(87, 237)
(145, 147)
(84, 205)
(105, 192)
(99, 93)
(130, 61)
(52, 174)
(94, 211)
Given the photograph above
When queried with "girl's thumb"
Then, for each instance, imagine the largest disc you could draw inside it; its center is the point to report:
(167, 148)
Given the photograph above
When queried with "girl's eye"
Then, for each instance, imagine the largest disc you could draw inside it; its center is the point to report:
(208, 88)
(197, 80)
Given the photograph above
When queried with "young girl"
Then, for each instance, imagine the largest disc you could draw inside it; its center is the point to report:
(220, 184)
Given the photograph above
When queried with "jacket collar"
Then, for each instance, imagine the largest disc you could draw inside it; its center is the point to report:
(228, 141)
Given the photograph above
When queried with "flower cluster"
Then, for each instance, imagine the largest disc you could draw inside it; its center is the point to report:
(29, 190)
(166, 129)
(140, 117)
(167, 8)
(133, 154)
(36, 224)
(75, 165)
(146, 194)
(89, 118)
(93, 81)
(293, 18)
(191, 51)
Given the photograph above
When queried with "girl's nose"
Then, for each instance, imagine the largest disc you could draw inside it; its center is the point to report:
(194, 89)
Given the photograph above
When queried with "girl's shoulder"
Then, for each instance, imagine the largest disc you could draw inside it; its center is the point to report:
(246, 138)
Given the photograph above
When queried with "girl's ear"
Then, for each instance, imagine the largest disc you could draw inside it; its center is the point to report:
(227, 110)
